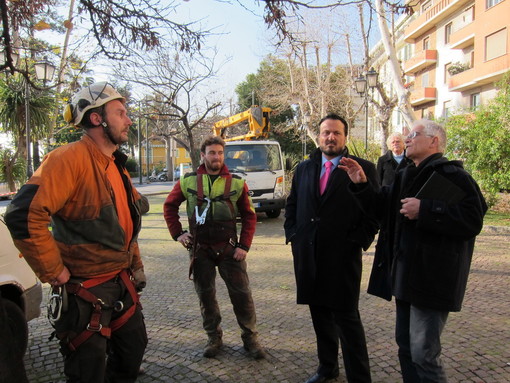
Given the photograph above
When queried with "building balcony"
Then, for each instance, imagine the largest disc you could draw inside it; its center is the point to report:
(421, 60)
(463, 37)
(422, 95)
(429, 19)
(481, 74)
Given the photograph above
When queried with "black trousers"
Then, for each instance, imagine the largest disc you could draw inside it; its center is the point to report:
(334, 327)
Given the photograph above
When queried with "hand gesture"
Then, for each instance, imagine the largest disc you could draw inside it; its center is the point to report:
(353, 169)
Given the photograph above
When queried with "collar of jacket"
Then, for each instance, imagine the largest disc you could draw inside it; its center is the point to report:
(120, 158)
(223, 172)
(437, 160)
(316, 156)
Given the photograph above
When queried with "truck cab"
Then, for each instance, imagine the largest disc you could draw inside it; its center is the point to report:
(260, 163)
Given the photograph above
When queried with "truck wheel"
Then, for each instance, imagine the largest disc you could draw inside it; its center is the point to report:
(273, 213)
(18, 326)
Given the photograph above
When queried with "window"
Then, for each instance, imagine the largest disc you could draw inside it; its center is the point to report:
(426, 5)
(495, 44)
(469, 15)
(425, 79)
(492, 3)
(426, 43)
(447, 108)
(447, 33)
(475, 101)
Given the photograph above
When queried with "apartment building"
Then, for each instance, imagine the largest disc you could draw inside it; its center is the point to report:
(460, 48)
(452, 53)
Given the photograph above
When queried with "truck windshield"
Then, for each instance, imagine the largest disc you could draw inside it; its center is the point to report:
(253, 158)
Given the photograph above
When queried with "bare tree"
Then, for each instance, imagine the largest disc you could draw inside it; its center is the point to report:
(279, 12)
(180, 102)
(118, 27)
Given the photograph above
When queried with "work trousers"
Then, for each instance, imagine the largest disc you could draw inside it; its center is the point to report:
(238, 285)
(418, 335)
(99, 359)
(333, 327)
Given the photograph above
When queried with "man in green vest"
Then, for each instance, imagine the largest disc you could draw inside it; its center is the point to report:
(214, 198)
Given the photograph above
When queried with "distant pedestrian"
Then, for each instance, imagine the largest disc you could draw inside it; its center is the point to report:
(394, 159)
(214, 197)
(433, 212)
(328, 230)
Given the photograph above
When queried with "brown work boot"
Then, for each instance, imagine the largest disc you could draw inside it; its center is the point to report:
(254, 349)
(212, 347)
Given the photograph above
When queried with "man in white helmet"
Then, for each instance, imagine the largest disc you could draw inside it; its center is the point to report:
(91, 256)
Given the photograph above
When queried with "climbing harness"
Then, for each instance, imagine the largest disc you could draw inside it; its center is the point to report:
(56, 307)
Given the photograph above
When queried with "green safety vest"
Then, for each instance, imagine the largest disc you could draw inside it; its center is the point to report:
(223, 193)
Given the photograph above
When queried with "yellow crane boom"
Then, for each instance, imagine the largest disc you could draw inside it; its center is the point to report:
(258, 124)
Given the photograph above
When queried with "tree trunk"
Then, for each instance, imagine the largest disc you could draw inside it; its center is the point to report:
(395, 69)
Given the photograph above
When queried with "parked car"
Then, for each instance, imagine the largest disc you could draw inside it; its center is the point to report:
(21, 290)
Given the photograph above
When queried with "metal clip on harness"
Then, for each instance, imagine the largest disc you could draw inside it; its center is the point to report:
(200, 218)
(57, 303)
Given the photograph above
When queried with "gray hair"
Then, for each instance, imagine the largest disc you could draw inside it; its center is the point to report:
(433, 129)
(394, 135)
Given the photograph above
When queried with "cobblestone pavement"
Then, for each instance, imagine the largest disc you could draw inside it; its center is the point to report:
(475, 342)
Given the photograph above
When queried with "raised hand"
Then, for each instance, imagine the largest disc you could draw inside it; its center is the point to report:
(353, 170)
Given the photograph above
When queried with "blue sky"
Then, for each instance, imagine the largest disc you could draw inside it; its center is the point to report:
(242, 36)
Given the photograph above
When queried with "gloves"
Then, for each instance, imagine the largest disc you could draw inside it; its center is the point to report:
(140, 279)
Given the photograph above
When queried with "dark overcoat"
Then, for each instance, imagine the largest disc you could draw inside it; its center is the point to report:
(426, 261)
(327, 234)
(387, 167)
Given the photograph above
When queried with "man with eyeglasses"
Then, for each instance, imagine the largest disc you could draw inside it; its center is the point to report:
(429, 245)
(90, 256)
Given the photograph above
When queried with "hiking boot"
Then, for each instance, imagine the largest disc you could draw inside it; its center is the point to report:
(212, 347)
(254, 349)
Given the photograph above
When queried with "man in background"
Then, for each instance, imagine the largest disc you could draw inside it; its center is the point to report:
(214, 197)
(394, 159)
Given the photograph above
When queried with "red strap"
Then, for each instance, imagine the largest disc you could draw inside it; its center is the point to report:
(200, 190)
(95, 319)
(121, 321)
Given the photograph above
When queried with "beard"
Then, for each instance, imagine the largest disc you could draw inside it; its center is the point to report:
(331, 150)
(213, 166)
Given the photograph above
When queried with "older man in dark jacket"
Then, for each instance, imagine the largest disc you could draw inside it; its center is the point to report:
(433, 212)
(328, 231)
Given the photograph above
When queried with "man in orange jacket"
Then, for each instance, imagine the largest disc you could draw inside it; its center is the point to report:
(91, 256)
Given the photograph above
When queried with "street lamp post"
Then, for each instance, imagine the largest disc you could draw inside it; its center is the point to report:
(306, 121)
(139, 137)
(361, 83)
(44, 71)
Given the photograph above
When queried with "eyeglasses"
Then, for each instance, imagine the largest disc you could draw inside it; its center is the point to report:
(415, 134)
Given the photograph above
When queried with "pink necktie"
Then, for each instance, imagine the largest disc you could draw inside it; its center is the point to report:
(325, 177)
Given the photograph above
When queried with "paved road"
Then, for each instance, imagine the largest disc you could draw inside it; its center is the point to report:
(476, 341)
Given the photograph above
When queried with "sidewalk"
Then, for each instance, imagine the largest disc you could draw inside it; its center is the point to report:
(475, 342)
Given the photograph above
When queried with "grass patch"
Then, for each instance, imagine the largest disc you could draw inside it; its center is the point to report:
(497, 218)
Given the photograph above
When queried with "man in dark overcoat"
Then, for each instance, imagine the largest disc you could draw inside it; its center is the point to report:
(433, 212)
(328, 232)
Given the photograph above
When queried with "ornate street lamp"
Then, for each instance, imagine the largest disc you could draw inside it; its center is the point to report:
(14, 57)
(360, 83)
(44, 71)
